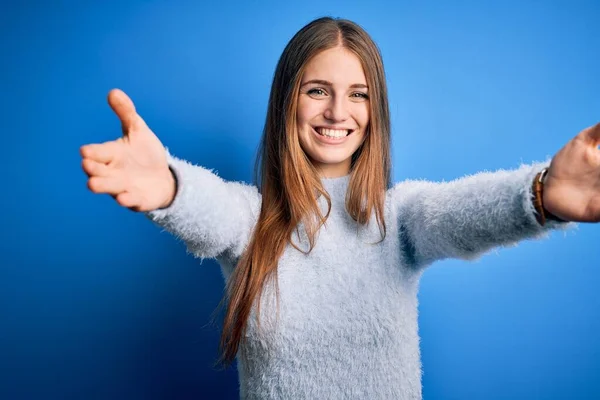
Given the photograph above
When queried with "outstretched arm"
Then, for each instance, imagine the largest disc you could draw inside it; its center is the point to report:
(468, 216)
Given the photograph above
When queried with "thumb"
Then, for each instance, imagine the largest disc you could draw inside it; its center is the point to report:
(122, 105)
(591, 135)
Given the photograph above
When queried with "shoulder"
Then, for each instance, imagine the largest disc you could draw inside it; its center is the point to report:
(410, 188)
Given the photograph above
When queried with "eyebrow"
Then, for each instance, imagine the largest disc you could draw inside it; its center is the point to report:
(327, 83)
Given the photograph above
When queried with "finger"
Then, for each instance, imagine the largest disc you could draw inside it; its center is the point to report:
(126, 199)
(100, 152)
(123, 106)
(98, 184)
(94, 168)
(591, 135)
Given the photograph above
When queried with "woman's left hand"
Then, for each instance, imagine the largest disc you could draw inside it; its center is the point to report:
(572, 184)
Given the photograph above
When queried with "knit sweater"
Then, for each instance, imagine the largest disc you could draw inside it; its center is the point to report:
(346, 322)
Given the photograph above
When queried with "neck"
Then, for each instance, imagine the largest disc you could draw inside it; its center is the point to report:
(334, 170)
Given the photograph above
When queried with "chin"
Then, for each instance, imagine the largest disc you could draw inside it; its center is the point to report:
(330, 162)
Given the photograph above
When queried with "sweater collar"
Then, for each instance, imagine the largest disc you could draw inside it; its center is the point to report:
(336, 187)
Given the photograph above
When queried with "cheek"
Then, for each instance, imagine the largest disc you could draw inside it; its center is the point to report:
(363, 116)
(307, 111)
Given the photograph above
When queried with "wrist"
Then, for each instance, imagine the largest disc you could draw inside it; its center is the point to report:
(172, 187)
(542, 214)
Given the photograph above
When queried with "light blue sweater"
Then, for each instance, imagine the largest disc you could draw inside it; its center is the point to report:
(347, 325)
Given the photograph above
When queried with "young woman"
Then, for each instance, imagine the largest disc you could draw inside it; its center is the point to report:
(322, 263)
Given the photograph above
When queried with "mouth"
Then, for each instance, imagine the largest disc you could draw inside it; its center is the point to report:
(333, 133)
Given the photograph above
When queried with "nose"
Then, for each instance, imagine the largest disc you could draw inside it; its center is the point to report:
(337, 109)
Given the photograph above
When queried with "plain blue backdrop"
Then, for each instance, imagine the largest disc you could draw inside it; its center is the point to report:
(98, 303)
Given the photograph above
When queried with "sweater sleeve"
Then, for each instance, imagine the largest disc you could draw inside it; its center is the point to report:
(466, 217)
(212, 216)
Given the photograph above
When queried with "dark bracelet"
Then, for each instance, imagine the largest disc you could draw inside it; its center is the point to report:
(542, 215)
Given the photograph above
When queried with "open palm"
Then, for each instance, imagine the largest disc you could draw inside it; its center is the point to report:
(572, 187)
(133, 168)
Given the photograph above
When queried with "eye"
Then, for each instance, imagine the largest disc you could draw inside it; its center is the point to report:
(360, 95)
(316, 92)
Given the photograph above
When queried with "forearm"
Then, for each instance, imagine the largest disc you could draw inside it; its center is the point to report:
(210, 215)
(468, 216)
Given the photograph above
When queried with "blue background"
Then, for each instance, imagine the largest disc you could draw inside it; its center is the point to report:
(98, 303)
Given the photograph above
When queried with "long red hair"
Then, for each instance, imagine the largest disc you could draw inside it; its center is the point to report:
(288, 182)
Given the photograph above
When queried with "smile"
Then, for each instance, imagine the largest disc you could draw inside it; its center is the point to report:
(332, 136)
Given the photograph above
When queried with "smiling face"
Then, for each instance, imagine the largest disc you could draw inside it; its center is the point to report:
(333, 110)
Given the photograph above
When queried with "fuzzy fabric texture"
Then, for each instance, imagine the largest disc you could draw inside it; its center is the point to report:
(346, 323)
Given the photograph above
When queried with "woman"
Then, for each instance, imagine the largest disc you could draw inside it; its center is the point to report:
(322, 264)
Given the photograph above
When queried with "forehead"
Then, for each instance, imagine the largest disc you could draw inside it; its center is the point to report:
(338, 65)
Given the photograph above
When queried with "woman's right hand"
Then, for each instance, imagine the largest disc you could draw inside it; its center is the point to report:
(133, 168)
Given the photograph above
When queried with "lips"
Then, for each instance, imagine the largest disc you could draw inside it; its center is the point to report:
(327, 140)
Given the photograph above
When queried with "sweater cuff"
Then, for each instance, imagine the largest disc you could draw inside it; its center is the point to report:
(529, 205)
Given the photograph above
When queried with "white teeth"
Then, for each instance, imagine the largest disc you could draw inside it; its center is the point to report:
(335, 133)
